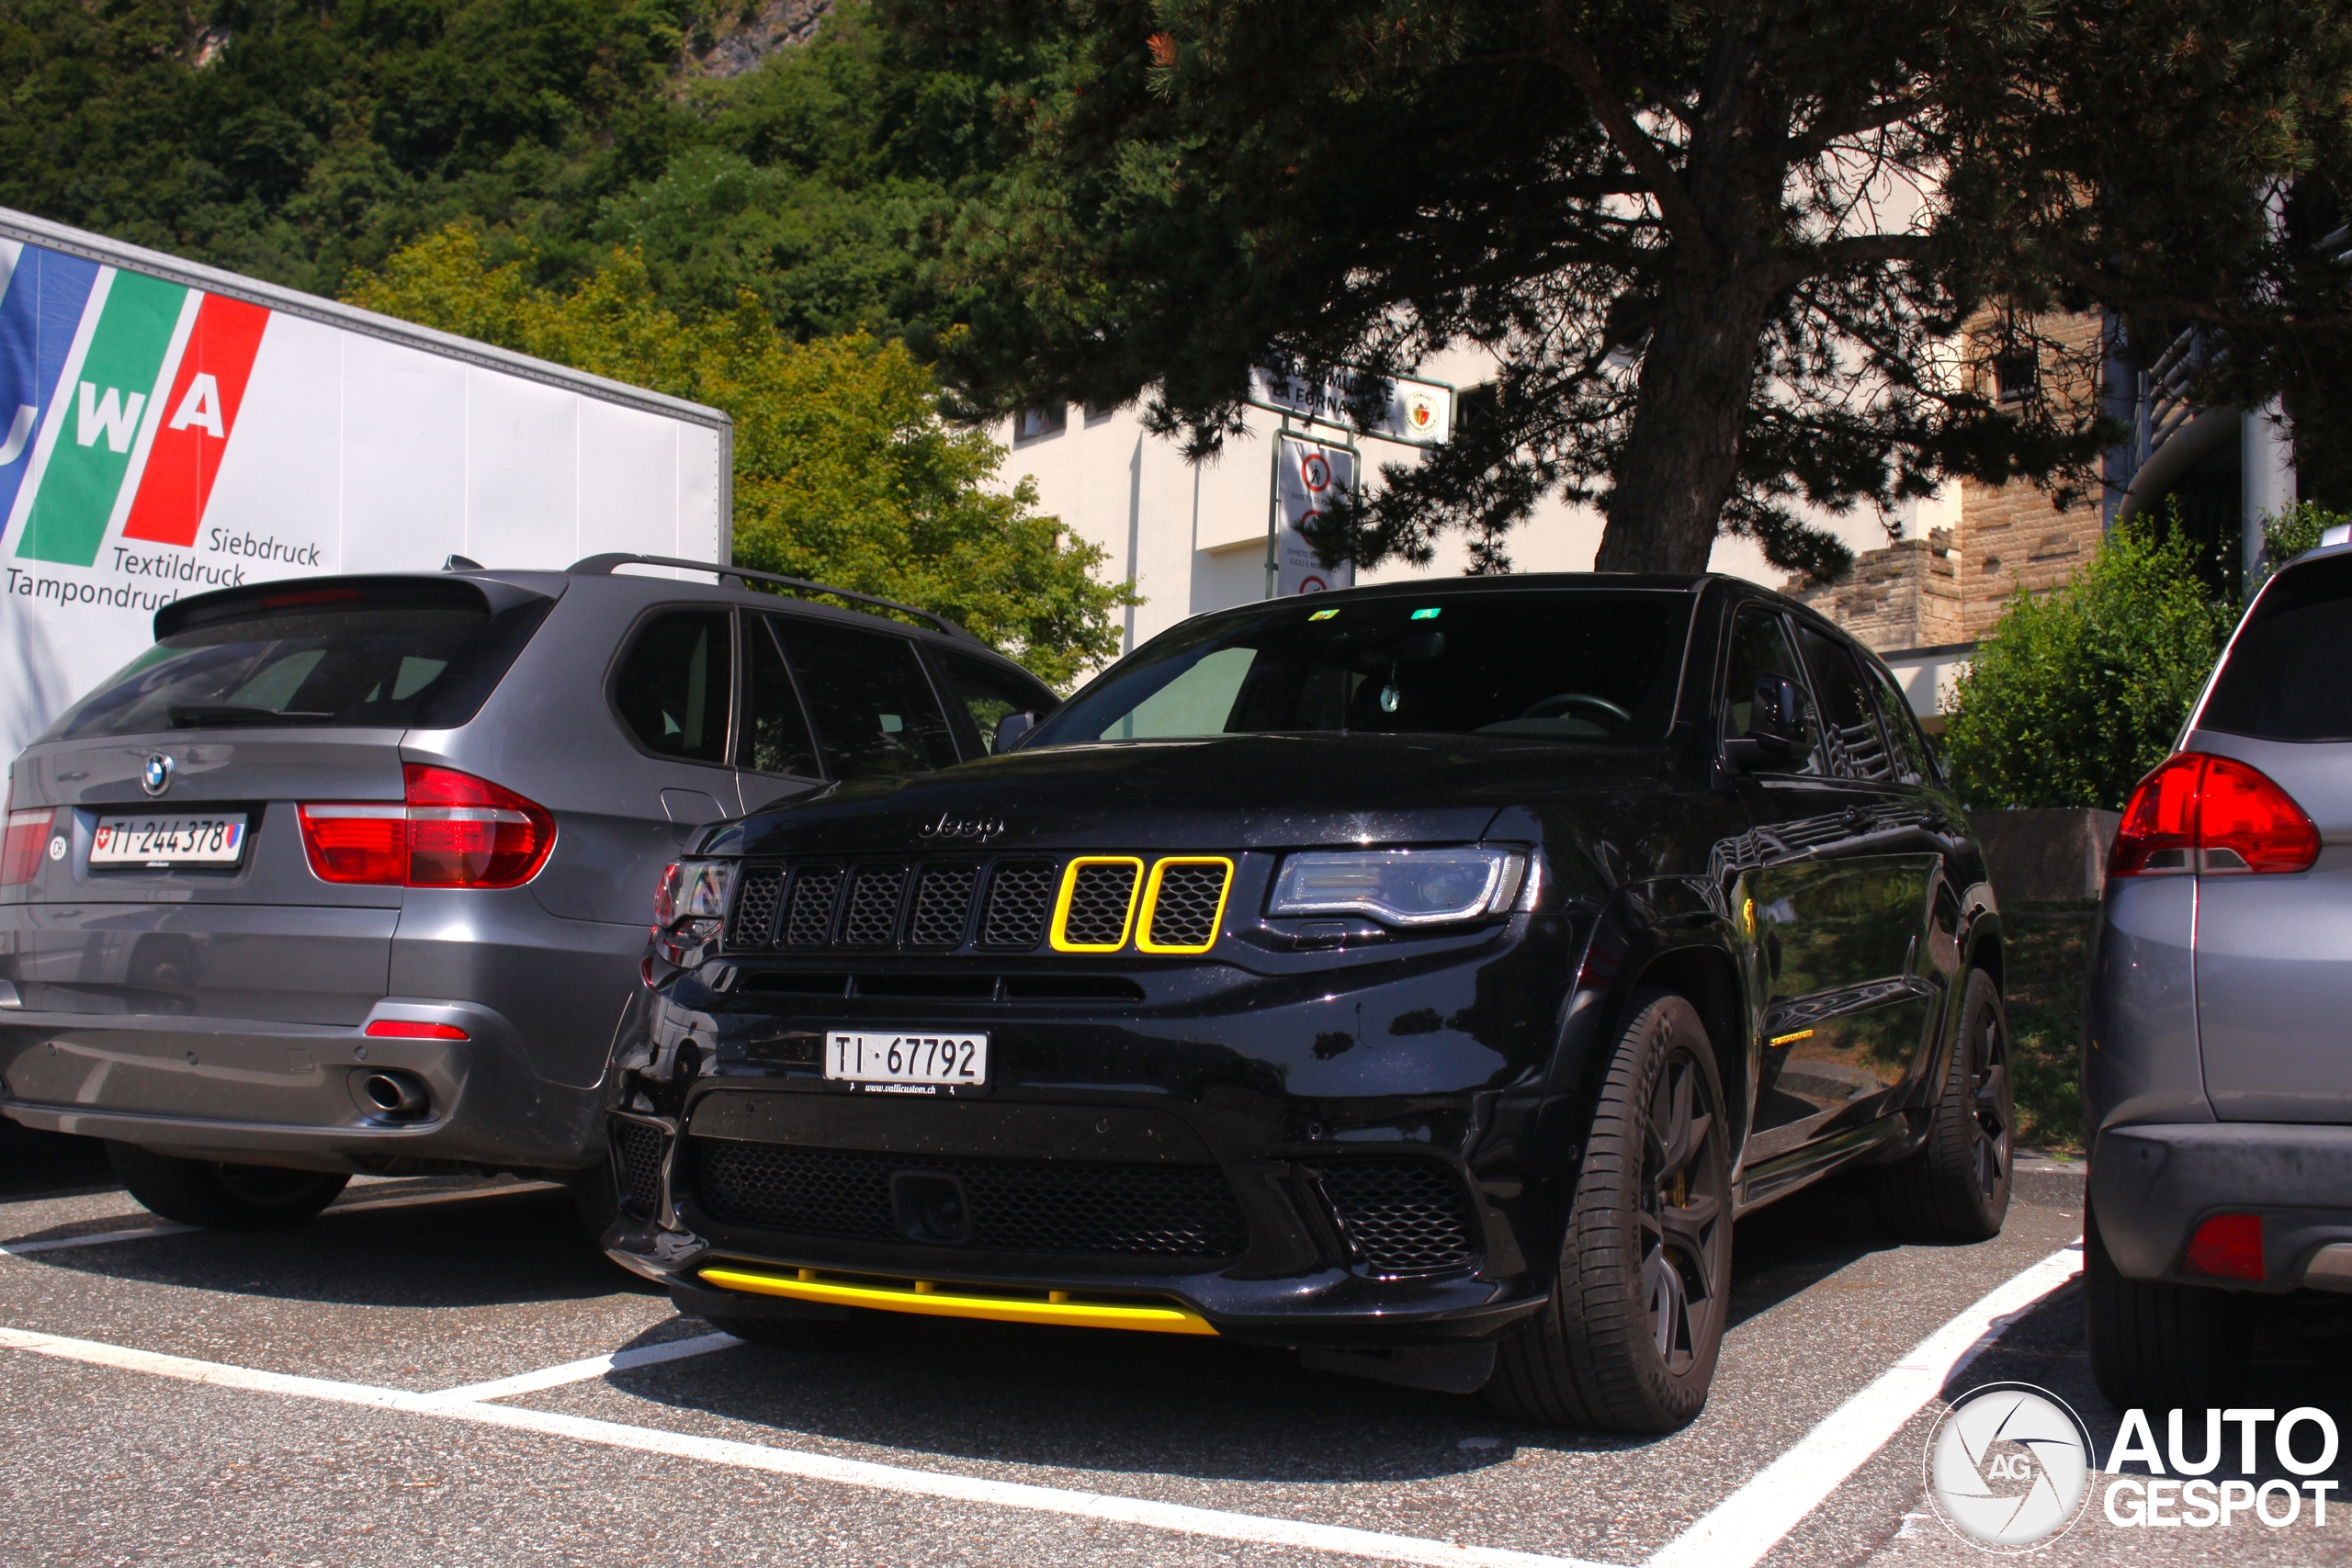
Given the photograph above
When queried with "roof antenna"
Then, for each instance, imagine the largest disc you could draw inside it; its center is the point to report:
(460, 563)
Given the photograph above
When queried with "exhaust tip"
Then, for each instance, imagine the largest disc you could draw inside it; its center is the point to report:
(398, 1095)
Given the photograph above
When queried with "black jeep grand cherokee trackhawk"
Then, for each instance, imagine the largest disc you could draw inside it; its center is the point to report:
(1422, 975)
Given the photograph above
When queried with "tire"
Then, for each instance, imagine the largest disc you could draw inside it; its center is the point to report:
(1956, 1186)
(2160, 1345)
(1629, 1340)
(862, 1330)
(223, 1197)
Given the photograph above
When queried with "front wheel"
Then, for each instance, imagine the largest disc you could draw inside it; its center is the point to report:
(1629, 1340)
(220, 1196)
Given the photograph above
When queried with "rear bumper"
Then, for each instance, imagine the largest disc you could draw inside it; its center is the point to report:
(271, 1093)
(2151, 1187)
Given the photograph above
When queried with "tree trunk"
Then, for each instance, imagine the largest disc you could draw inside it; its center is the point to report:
(1681, 461)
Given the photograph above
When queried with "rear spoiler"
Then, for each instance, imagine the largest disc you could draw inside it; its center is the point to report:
(488, 597)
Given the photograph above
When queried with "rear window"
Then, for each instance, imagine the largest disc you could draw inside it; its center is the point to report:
(2286, 676)
(1578, 666)
(368, 663)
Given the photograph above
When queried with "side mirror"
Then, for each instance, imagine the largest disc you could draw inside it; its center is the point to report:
(1011, 729)
(1775, 731)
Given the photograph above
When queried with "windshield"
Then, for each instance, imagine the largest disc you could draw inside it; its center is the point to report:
(414, 666)
(1572, 665)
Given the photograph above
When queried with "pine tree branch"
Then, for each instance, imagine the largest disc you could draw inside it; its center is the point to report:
(1633, 143)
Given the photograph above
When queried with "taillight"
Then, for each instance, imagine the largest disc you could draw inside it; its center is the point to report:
(2228, 1247)
(453, 831)
(403, 1028)
(468, 832)
(2197, 812)
(27, 841)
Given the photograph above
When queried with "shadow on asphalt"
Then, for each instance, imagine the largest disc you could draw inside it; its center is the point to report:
(468, 1252)
(2299, 1359)
(49, 1165)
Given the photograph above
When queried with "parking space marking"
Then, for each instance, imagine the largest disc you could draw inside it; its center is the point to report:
(581, 1371)
(1176, 1518)
(1741, 1529)
(95, 1238)
(168, 1227)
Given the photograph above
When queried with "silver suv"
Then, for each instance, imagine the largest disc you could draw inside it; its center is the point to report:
(350, 873)
(2217, 1080)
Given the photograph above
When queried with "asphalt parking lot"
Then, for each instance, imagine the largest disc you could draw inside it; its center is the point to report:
(441, 1373)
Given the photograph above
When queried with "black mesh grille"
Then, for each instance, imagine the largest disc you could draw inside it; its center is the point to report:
(874, 906)
(810, 923)
(1149, 1210)
(639, 1151)
(942, 899)
(1404, 1216)
(755, 908)
(1184, 912)
(1021, 894)
(1099, 898)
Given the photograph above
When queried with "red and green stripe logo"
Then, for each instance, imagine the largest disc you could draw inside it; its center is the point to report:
(138, 416)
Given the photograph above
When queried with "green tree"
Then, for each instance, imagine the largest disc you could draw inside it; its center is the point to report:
(2075, 695)
(843, 471)
(1720, 251)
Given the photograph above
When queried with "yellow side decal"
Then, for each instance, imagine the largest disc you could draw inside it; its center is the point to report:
(1151, 904)
(1793, 1039)
(1057, 932)
(927, 1298)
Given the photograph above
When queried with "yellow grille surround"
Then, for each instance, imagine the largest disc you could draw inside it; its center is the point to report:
(1144, 892)
(1151, 891)
(1057, 932)
(932, 1298)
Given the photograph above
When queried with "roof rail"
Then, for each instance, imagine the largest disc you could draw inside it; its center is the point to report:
(601, 566)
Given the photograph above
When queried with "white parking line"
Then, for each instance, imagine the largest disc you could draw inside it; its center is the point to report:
(1174, 1517)
(166, 1227)
(581, 1371)
(1741, 1529)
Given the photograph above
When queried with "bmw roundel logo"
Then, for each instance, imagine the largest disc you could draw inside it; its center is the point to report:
(156, 776)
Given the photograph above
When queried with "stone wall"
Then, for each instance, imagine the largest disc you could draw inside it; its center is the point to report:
(1953, 585)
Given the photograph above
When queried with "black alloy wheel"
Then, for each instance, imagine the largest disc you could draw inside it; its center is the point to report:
(1684, 1208)
(1629, 1340)
(1956, 1186)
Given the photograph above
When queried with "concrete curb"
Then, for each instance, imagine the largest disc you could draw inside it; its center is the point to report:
(2050, 1181)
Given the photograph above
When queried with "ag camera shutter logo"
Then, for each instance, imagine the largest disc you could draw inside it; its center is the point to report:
(2010, 1466)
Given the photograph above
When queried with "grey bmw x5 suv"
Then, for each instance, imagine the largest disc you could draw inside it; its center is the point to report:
(350, 873)
(2217, 1082)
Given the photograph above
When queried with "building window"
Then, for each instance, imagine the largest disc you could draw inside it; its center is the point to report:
(1032, 424)
(1097, 413)
(2016, 375)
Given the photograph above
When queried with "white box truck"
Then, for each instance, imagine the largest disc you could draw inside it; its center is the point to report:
(166, 428)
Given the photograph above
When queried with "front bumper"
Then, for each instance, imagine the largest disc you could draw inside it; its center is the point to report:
(287, 1094)
(2152, 1187)
(1293, 1159)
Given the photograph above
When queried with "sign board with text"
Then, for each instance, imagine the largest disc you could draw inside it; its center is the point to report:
(166, 430)
(1417, 413)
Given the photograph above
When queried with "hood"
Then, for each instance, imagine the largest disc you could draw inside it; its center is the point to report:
(1239, 792)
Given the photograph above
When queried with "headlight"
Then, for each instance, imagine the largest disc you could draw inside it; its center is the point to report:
(690, 907)
(1401, 888)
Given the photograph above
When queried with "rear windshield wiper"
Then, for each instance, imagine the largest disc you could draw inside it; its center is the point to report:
(200, 715)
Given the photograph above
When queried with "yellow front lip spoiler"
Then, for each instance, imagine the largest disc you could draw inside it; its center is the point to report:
(928, 1298)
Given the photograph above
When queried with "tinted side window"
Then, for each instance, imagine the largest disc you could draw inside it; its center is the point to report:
(1906, 747)
(872, 703)
(2285, 679)
(1760, 647)
(776, 732)
(675, 686)
(1857, 748)
(989, 692)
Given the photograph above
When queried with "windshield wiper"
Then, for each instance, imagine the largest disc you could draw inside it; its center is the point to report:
(201, 716)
